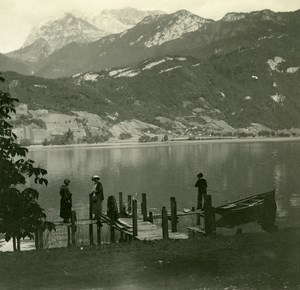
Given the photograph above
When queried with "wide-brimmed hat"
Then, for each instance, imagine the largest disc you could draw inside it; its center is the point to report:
(200, 175)
(95, 177)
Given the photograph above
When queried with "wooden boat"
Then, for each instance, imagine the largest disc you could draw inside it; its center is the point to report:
(260, 207)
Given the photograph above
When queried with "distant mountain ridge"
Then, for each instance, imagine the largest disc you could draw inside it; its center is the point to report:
(241, 89)
(54, 34)
(179, 33)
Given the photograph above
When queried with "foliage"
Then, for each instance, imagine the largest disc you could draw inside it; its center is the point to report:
(20, 214)
(125, 136)
(91, 139)
(144, 138)
(266, 133)
(147, 138)
(25, 142)
(65, 139)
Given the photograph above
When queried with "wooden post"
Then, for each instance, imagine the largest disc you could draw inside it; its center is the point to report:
(14, 243)
(99, 225)
(144, 206)
(112, 234)
(69, 236)
(134, 218)
(120, 202)
(39, 236)
(19, 244)
(73, 227)
(151, 217)
(173, 214)
(129, 203)
(164, 222)
(36, 240)
(209, 216)
(91, 231)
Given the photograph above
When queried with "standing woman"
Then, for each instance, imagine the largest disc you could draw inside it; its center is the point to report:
(98, 196)
(65, 201)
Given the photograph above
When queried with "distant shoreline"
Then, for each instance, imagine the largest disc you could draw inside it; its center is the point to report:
(128, 143)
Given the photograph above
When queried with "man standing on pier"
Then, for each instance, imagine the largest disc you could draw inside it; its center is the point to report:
(98, 196)
(202, 185)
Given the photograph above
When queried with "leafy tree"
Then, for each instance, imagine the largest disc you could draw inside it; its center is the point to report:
(20, 214)
(144, 138)
(154, 139)
(125, 136)
(65, 139)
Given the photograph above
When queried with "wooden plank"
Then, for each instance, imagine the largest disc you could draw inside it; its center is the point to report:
(192, 231)
(149, 231)
(182, 213)
(79, 222)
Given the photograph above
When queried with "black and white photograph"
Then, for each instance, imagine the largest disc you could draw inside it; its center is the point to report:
(149, 145)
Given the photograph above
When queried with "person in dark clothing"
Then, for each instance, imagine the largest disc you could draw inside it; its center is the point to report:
(202, 185)
(65, 201)
(98, 196)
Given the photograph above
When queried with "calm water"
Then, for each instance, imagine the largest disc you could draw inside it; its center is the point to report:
(233, 170)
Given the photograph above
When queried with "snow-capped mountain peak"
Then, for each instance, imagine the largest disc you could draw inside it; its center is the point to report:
(118, 20)
(64, 30)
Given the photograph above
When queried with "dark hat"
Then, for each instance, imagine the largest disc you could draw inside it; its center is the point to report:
(67, 181)
(200, 175)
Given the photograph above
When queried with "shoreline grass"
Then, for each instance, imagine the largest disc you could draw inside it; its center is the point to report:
(246, 261)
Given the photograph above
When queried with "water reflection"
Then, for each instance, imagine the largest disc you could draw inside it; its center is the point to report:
(233, 170)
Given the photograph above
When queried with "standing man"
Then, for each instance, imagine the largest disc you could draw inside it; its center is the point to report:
(98, 196)
(202, 185)
(65, 201)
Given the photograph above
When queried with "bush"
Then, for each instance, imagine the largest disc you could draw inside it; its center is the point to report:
(25, 142)
(147, 138)
(65, 139)
(144, 138)
(125, 136)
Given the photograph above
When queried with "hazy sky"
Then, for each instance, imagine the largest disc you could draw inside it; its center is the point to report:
(17, 17)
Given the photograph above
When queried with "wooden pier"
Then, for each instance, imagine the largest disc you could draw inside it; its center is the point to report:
(148, 231)
(133, 223)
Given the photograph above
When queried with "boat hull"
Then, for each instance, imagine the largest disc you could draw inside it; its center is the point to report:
(260, 208)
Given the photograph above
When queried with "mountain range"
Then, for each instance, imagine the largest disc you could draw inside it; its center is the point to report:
(52, 35)
(176, 71)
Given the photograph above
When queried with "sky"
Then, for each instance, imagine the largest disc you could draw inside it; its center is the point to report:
(18, 17)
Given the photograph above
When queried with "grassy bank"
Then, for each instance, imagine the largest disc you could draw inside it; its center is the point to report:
(247, 261)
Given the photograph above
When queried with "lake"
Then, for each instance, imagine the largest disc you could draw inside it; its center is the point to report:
(232, 169)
